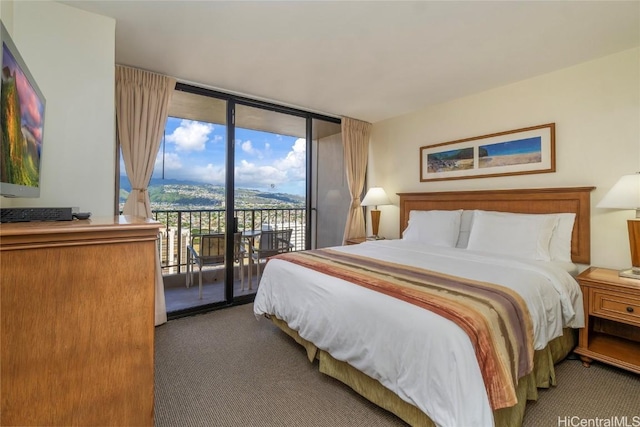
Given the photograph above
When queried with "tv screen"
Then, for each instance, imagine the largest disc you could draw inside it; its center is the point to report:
(22, 111)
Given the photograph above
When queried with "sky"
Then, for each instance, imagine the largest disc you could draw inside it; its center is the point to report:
(520, 146)
(264, 161)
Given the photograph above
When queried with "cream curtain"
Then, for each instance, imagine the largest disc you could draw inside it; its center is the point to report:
(142, 100)
(355, 141)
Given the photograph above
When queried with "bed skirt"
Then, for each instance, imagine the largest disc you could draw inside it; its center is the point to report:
(542, 376)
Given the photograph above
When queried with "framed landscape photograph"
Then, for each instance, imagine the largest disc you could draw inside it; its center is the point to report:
(514, 152)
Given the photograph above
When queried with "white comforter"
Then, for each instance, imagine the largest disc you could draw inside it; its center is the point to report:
(426, 360)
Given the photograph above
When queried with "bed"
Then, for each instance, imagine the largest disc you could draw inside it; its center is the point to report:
(360, 309)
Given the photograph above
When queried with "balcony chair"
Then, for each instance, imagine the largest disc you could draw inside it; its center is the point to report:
(208, 250)
(239, 254)
(270, 243)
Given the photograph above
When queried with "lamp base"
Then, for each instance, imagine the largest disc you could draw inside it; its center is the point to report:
(631, 273)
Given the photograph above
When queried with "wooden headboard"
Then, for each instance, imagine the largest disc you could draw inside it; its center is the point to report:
(538, 200)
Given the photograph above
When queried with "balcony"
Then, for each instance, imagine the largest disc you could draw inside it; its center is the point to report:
(175, 235)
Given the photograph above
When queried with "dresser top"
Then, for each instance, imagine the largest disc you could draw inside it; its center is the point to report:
(93, 224)
(26, 234)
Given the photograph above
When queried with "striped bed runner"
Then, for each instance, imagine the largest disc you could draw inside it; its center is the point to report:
(494, 317)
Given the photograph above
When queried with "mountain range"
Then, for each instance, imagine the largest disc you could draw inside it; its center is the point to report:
(184, 195)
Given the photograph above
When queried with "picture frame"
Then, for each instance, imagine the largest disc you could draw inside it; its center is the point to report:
(514, 152)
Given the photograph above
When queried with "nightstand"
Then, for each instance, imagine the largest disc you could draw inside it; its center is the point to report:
(358, 240)
(612, 319)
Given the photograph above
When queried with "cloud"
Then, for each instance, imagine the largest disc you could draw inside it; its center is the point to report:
(247, 147)
(288, 172)
(285, 171)
(172, 162)
(190, 135)
(250, 175)
(31, 106)
(295, 163)
(210, 174)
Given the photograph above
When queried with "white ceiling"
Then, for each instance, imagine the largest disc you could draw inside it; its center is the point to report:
(370, 60)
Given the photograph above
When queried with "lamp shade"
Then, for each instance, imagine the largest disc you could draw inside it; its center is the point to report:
(375, 196)
(625, 194)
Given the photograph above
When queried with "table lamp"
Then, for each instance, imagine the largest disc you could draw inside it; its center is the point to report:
(375, 197)
(625, 194)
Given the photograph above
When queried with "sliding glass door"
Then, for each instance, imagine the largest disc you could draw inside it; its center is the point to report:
(331, 198)
(229, 172)
(187, 194)
(270, 184)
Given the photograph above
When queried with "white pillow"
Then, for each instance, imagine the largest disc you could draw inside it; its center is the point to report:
(521, 235)
(466, 220)
(436, 227)
(560, 245)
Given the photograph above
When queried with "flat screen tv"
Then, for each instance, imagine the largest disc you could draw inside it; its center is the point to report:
(22, 111)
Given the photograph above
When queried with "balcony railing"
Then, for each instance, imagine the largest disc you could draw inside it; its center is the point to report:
(178, 225)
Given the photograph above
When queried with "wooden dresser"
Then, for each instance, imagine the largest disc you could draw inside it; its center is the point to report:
(612, 319)
(77, 301)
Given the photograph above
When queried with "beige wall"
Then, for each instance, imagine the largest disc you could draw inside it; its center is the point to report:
(596, 108)
(6, 14)
(71, 54)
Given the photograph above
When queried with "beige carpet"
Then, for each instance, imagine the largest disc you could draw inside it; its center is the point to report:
(225, 368)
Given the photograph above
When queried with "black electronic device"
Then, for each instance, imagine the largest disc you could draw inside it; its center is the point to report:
(82, 215)
(35, 214)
